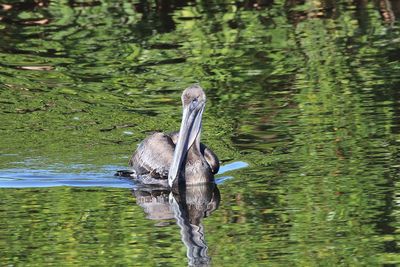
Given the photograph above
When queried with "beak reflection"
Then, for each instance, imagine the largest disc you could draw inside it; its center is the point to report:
(188, 205)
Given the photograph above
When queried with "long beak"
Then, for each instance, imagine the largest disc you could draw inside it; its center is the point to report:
(190, 128)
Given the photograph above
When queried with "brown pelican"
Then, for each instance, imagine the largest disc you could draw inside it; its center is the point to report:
(178, 156)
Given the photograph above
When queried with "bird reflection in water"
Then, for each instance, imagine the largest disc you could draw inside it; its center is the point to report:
(188, 205)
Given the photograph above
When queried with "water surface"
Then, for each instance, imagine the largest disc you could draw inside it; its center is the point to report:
(303, 110)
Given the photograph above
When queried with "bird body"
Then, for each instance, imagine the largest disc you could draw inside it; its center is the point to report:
(179, 155)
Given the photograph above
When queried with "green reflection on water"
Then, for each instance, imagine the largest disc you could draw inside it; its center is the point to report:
(306, 94)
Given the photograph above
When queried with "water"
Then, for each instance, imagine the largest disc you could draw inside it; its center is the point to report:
(303, 111)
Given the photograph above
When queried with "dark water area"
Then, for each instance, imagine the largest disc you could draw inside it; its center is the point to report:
(303, 110)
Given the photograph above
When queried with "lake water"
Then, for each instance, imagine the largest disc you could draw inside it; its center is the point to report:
(303, 110)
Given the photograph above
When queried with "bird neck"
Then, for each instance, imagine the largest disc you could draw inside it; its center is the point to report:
(194, 150)
(197, 170)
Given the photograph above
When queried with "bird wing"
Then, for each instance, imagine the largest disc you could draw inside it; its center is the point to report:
(210, 157)
(154, 156)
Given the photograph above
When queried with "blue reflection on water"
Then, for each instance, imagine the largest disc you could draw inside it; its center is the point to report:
(28, 178)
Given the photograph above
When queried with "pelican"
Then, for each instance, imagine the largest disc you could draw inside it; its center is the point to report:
(179, 156)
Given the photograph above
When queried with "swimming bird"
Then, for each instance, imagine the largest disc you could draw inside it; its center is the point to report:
(179, 156)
